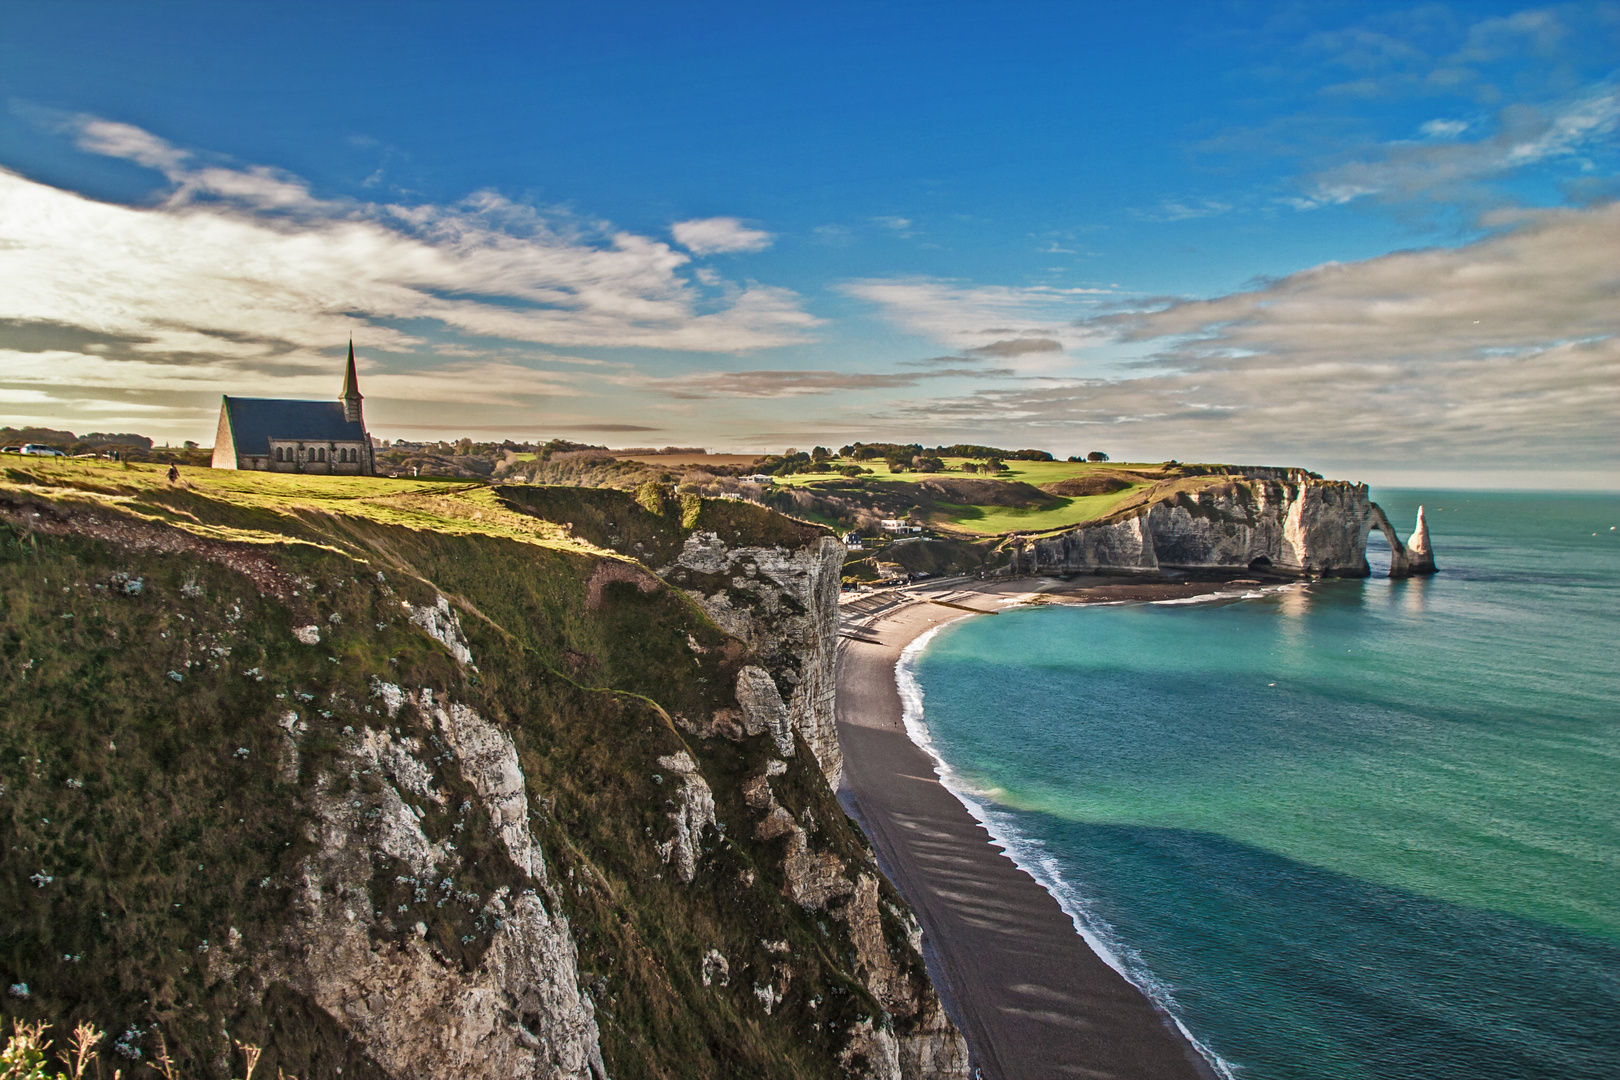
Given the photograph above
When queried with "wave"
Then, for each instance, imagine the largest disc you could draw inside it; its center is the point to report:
(1030, 855)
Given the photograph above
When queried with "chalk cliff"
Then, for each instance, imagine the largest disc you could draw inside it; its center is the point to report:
(1298, 525)
(782, 602)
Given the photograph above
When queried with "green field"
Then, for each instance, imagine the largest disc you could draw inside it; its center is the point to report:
(990, 520)
(1030, 472)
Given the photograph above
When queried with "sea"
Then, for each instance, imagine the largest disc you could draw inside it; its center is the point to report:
(1340, 830)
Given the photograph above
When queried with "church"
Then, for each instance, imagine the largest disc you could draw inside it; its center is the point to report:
(278, 435)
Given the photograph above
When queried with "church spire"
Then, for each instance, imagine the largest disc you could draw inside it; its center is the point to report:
(351, 391)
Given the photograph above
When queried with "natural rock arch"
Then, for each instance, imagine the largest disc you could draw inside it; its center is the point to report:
(1413, 557)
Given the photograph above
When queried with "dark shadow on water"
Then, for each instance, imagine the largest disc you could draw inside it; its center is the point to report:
(1293, 971)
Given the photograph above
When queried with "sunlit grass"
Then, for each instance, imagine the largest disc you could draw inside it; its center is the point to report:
(1069, 512)
(254, 507)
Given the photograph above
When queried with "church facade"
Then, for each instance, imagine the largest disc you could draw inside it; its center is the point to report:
(280, 435)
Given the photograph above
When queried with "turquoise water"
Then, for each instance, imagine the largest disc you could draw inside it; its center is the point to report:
(1347, 829)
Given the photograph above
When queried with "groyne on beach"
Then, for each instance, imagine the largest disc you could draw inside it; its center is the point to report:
(1030, 995)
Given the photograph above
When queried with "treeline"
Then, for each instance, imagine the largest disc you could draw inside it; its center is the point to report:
(69, 443)
(899, 457)
(870, 451)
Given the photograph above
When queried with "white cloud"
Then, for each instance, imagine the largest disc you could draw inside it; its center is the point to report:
(242, 269)
(711, 236)
(1443, 129)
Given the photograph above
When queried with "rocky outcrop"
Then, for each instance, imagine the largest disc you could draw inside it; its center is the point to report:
(783, 604)
(518, 1011)
(763, 709)
(1419, 553)
(1300, 526)
(914, 1040)
(694, 812)
(441, 623)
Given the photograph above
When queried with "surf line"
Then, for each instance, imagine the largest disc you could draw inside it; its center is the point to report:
(1026, 854)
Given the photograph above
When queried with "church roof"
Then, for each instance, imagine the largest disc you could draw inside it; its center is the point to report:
(255, 421)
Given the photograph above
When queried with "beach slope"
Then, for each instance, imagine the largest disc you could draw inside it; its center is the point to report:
(1031, 997)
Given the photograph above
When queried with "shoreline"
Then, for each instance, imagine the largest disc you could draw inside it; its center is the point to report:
(1029, 992)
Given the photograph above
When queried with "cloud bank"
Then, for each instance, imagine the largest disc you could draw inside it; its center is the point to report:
(1503, 353)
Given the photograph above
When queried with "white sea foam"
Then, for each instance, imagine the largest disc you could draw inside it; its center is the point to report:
(1229, 594)
(1031, 856)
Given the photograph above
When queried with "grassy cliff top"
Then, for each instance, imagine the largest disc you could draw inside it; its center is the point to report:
(1027, 497)
(262, 507)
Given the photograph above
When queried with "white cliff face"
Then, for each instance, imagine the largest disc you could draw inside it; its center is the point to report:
(1302, 526)
(519, 1012)
(783, 604)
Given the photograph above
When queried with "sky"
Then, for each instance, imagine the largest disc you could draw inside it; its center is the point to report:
(1377, 240)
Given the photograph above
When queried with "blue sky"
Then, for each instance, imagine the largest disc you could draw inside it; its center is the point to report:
(1376, 239)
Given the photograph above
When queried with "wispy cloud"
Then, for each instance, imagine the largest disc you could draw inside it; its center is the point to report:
(788, 383)
(1184, 210)
(1018, 347)
(1443, 129)
(833, 235)
(1029, 326)
(1525, 136)
(718, 235)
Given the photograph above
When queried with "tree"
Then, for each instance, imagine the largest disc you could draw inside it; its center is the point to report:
(1096, 455)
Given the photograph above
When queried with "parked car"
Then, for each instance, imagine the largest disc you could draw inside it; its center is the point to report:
(10, 449)
(40, 451)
